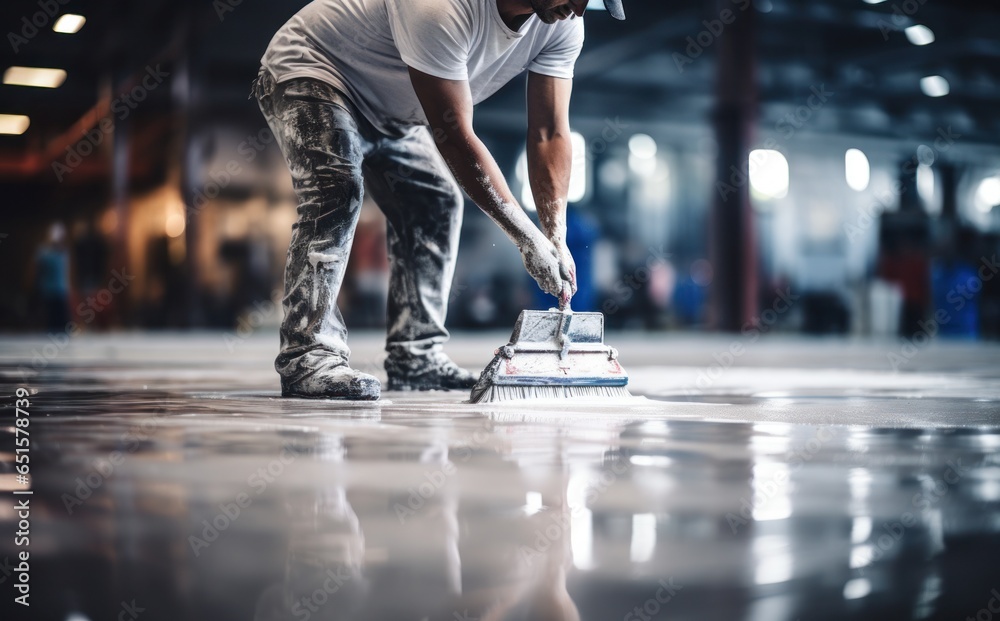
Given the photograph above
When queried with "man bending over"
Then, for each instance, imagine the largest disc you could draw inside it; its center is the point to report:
(381, 92)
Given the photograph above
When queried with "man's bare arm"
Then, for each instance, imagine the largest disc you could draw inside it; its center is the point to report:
(550, 159)
(448, 107)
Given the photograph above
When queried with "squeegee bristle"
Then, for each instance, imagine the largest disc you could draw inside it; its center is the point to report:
(499, 394)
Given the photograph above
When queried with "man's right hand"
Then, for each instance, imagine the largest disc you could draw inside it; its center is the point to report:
(541, 259)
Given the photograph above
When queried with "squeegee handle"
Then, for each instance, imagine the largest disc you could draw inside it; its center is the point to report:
(565, 296)
(564, 325)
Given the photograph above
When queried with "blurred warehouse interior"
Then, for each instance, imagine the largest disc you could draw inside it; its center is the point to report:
(821, 166)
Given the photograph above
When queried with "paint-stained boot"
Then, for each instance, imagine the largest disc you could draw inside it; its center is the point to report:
(430, 370)
(333, 380)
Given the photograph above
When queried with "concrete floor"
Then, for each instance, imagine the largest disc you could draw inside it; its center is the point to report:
(798, 479)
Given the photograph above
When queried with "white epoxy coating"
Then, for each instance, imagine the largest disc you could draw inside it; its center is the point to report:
(807, 481)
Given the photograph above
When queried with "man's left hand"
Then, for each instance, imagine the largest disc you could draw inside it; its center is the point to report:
(567, 269)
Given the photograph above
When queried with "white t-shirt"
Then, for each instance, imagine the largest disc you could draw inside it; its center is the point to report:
(363, 48)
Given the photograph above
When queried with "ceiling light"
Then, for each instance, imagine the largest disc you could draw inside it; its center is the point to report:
(934, 86)
(919, 35)
(925, 184)
(578, 175)
(69, 23)
(858, 169)
(34, 76)
(988, 194)
(768, 174)
(14, 124)
(642, 146)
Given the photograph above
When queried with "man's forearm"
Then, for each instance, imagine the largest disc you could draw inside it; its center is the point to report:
(479, 175)
(550, 162)
(448, 106)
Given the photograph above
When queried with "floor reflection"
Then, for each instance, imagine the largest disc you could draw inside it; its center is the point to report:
(248, 507)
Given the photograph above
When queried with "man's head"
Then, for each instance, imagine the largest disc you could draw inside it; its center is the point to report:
(551, 11)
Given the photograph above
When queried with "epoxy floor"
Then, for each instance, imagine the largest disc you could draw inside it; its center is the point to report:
(800, 479)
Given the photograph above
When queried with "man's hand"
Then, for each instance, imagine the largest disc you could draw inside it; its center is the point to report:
(541, 259)
(553, 268)
(567, 266)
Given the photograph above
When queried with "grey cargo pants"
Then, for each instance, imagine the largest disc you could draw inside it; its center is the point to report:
(332, 153)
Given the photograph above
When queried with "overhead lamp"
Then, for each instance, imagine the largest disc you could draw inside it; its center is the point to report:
(14, 124)
(642, 146)
(768, 174)
(34, 76)
(988, 194)
(70, 23)
(934, 86)
(858, 169)
(919, 35)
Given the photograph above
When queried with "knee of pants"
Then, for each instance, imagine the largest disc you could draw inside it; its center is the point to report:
(335, 192)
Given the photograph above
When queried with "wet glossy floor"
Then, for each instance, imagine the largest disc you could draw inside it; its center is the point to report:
(797, 480)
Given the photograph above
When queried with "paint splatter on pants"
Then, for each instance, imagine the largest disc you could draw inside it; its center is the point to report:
(332, 153)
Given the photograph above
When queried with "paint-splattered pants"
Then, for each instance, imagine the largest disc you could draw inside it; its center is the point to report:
(333, 153)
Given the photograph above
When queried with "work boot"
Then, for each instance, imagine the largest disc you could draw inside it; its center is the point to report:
(432, 370)
(333, 380)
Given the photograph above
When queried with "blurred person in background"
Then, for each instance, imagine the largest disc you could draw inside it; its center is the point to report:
(381, 92)
(906, 264)
(52, 278)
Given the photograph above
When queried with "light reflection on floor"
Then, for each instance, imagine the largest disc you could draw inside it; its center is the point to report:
(805, 482)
